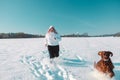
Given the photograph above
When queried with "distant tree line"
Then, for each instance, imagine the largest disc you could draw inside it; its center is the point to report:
(25, 35)
(19, 35)
(86, 35)
(117, 34)
(76, 35)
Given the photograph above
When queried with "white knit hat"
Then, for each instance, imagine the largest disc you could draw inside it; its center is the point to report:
(51, 27)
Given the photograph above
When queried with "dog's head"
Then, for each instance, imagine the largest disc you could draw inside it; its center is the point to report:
(105, 55)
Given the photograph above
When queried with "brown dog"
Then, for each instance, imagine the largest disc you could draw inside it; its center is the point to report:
(105, 65)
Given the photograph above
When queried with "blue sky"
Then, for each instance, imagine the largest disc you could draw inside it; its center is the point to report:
(68, 16)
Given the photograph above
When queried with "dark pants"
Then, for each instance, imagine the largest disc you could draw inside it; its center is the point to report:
(53, 51)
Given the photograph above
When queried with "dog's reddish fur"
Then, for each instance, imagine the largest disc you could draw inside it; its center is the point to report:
(105, 65)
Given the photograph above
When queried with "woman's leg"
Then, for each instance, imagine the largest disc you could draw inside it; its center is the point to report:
(56, 51)
(51, 51)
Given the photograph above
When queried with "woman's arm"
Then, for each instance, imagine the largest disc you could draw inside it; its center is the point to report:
(46, 41)
(58, 37)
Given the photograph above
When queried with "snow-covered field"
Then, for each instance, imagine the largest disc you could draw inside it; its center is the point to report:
(28, 59)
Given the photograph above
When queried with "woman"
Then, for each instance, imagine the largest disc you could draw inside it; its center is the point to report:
(52, 42)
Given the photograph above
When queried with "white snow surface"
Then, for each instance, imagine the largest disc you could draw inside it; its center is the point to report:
(28, 59)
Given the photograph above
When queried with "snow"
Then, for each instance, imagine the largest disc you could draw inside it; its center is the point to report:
(28, 59)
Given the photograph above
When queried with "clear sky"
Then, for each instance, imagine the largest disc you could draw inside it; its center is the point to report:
(68, 16)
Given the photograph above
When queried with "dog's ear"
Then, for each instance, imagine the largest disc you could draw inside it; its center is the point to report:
(110, 53)
(100, 53)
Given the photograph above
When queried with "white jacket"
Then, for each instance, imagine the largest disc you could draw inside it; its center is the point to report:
(52, 39)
